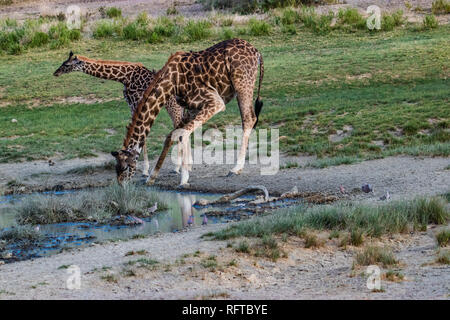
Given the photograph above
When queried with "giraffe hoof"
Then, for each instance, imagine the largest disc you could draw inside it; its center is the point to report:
(232, 174)
(174, 171)
(150, 181)
(183, 186)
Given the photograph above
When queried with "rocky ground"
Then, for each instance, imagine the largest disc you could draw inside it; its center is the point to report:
(180, 273)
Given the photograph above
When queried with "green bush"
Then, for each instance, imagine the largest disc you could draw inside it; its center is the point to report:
(227, 33)
(389, 22)
(103, 29)
(350, 17)
(136, 31)
(113, 12)
(289, 16)
(197, 30)
(440, 7)
(164, 27)
(39, 39)
(249, 6)
(258, 27)
(430, 22)
(61, 35)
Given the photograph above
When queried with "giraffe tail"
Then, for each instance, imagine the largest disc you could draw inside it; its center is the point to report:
(258, 102)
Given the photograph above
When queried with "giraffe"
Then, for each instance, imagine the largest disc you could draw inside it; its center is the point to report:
(206, 81)
(135, 79)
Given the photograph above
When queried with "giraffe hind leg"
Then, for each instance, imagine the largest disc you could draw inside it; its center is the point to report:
(245, 101)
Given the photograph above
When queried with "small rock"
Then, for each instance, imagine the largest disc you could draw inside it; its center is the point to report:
(14, 120)
(387, 196)
(367, 188)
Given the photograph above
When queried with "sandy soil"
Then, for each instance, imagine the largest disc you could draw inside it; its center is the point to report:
(402, 176)
(324, 273)
(25, 9)
(305, 274)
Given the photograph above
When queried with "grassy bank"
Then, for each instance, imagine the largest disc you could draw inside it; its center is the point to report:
(100, 206)
(345, 95)
(358, 220)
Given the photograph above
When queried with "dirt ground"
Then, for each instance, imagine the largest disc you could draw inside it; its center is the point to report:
(31, 8)
(402, 176)
(324, 273)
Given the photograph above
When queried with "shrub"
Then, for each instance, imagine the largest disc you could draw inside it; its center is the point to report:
(197, 30)
(389, 22)
(136, 31)
(440, 7)
(61, 35)
(5, 2)
(106, 28)
(99, 206)
(172, 10)
(39, 39)
(23, 235)
(227, 33)
(318, 24)
(430, 22)
(243, 246)
(352, 18)
(113, 12)
(375, 255)
(289, 16)
(164, 27)
(443, 237)
(258, 27)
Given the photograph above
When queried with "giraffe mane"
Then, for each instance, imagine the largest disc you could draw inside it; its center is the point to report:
(111, 62)
(147, 92)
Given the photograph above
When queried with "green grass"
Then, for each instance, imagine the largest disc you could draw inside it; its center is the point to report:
(443, 237)
(380, 83)
(376, 255)
(443, 257)
(21, 235)
(113, 12)
(370, 220)
(440, 7)
(99, 206)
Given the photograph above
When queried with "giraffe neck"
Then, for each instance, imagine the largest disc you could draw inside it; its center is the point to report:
(110, 70)
(154, 98)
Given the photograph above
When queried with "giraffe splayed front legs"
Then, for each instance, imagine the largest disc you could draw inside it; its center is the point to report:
(135, 79)
(206, 81)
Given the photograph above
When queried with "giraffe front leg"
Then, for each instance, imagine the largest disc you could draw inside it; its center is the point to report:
(162, 156)
(212, 104)
(146, 163)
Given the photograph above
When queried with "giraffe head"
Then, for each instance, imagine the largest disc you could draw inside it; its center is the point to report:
(126, 164)
(71, 64)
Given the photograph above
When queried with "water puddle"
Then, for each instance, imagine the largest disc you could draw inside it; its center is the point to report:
(181, 214)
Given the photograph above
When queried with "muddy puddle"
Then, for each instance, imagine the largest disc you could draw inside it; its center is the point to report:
(180, 215)
(184, 210)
